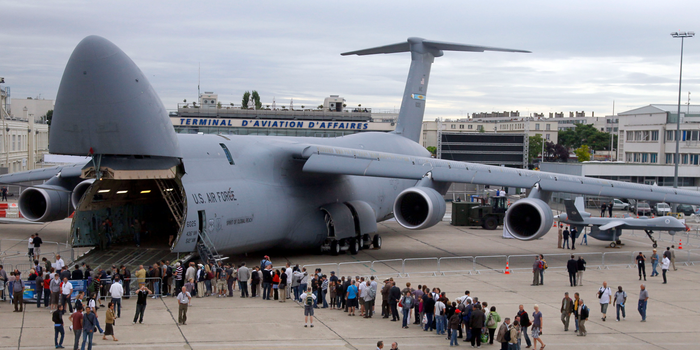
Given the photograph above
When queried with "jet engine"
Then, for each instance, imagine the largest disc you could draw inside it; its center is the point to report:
(528, 219)
(419, 207)
(45, 203)
(79, 191)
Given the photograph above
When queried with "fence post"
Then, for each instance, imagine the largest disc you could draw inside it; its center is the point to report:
(403, 267)
(438, 266)
(474, 266)
(603, 262)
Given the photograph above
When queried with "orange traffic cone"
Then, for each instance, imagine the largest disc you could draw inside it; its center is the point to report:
(507, 269)
(680, 245)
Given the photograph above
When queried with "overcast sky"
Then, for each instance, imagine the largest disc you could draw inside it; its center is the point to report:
(585, 55)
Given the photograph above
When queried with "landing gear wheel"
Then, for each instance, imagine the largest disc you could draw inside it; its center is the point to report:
(654, 245)
(335, 247)
(366, 241)
(354, 246)
(613, 245)
(377, 242)
(490, 223)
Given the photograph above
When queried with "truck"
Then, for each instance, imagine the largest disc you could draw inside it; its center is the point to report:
(661, 209)
(485, 212)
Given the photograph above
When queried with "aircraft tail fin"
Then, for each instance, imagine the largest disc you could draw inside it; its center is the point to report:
(423, 52)
(572, 211)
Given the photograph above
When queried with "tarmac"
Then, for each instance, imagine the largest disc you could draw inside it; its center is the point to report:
(222, 323)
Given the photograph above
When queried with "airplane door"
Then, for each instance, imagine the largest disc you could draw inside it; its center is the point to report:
(202, 220)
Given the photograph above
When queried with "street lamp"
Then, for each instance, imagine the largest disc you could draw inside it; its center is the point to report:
(681, 35)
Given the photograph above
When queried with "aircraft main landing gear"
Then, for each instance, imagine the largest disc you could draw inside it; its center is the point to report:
(377, 242)
(649, 234)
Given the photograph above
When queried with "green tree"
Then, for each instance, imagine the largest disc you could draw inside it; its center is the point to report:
(432, 150)
(246, 99)
(583, 153)
(49, 116)
(586, 134)
(535, 147)
(256, 98)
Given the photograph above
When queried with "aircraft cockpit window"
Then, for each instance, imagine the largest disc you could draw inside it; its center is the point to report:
(228, 154)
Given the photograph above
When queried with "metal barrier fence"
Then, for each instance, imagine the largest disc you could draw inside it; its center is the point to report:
(441, 266)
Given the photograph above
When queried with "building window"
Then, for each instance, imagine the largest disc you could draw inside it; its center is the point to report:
(452, 126)
(469, 127)
(653, 158)
(694, 159)
(684, 158)
(14, 137)
(461, 126)
(549, 127)
(547, 135)
(537, 126)
(645, 157)
(655, 135)
(669, 158)
(630, 136)
(694, 135)
(629, 157)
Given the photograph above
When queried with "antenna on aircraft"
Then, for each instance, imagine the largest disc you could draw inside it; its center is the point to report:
(423, 52)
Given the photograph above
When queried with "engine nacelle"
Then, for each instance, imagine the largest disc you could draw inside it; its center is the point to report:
(528, 219)
(46, 203)
(419, 207)
(79, 191)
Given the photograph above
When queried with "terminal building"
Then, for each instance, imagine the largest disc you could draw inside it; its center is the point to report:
(328, 120)
(24, 133)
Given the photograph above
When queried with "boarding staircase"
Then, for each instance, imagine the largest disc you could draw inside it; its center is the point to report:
(206, 249)
(173, 198)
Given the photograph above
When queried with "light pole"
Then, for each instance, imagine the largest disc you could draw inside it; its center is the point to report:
(681, 35)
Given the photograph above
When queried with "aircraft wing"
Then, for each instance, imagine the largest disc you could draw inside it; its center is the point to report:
(71, 170)
(346, 161)
(611, 224)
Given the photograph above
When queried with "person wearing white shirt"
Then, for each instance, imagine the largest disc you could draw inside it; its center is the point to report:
(361, 287)
(30, 248)
(66, 292)
(605, 296)
(665, 264)
(288, 287)
(440, 321)
(59, 264)
(116, 291)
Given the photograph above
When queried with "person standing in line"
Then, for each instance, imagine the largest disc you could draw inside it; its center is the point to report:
(407, 303)
(183, 300)
(18, 292)
(290, 272)
(620, 302)
(109, 322)
(665, 264)
(303, 278)
(641, 266)
(255, 282)
(537, 324)
(673, 257)
(524, 323)
(492, 322)
(59, 264)
(201, 277)
(605, 295)
(76, 319)
(351, 296)
(566, 238)
(141, 299)
(515, 331)
(221, 277)
(89, 324)
(243, 277)
(654, 263)
(282, 288)
(603, 209)
(574, 235)
(580, 268)
(394, 297)
(572, 268)
(57, 318)
(55, 289)
(267, 282)
(39, 289)
(536, 271)
(439, 316)
(454, 324)
(567, 307)
(582, 318)
(560, 235)
(386, 311)
(503, 334)
(66, 292)
(476, 323)
(116, 291)
(642, 304)
(178, 276)
(308, 299)
(141, 275)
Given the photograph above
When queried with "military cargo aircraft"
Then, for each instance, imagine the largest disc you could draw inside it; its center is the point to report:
(237, 194)
(610, 229)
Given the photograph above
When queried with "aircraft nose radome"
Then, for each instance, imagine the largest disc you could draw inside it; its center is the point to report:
(105, 102)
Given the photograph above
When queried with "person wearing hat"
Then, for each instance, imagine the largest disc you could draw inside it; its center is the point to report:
(454, 325)
(265, 262)
(654, 263)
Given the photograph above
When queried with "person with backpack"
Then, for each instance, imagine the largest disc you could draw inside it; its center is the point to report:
(536, 266)
(605, 295)
(308, 299)
(543, 266)
(523, 324)
(492, 320)
(582, 318)
(407, 302)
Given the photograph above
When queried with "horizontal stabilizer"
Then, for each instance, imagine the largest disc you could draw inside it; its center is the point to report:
(431, 45)
(572, 212)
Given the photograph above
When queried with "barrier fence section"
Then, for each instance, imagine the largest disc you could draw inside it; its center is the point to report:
(455, 264)
(495, 263)
(407, 270)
